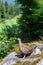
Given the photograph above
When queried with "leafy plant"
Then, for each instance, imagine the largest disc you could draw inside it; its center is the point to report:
(5, 48)
(10, 31)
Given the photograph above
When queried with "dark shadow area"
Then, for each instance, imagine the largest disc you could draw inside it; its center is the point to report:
(30, 23)
(22, 55)
(19, 56)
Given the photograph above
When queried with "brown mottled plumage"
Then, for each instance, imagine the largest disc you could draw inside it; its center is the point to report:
(26, 49)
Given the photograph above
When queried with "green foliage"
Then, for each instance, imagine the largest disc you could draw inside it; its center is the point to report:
(8, 10)
(31, 22)
(1, 36)
(5, 48)
(10, 31)
(7, 41)
(6, 44)
(2, 10)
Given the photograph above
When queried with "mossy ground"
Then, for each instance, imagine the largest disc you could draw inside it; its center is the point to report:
(37, 55)
(1, 60)
(16, 49)
(27, 62)
(30, 63)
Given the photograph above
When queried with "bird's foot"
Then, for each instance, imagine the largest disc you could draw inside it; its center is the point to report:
(24, 57)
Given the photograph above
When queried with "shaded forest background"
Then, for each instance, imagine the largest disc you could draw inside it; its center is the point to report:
(31, 21)
(8, 10)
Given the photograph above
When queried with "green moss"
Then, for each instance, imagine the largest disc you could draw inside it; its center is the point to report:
(16, 49)
(35, 62)
(41, 49)
(18, 63)
(22, 63)
(1, 60)
(36, 56)
(40, 42)
(27, 62)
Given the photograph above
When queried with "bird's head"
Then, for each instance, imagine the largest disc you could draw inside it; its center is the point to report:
(18, 39)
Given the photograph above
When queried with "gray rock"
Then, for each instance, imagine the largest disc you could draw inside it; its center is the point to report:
(40, 62)
(36, 51)
(39, 45)
(13, 57)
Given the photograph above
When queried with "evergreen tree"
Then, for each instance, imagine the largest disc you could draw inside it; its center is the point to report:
(29, 23)
(6, 6)
(2, 10)
(6, 9)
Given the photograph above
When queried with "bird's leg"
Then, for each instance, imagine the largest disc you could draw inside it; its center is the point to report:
(24, 56)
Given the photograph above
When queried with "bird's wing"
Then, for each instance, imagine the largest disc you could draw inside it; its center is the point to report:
(28, 48)
(25, 48)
